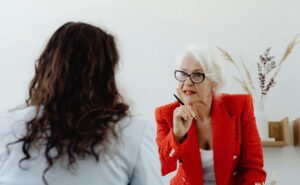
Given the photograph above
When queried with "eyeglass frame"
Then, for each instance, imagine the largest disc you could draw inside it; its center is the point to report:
(190, 74)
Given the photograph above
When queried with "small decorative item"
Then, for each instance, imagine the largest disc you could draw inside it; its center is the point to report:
(267, 73)
(296, 130)
(261, 120)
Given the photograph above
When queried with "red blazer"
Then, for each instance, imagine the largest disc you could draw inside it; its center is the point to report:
(237, 150)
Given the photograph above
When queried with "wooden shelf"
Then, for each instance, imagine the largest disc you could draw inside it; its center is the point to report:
(280, 131)
(296, 130)
(274, 143)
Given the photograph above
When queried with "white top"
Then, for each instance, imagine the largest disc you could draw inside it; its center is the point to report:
(135, 159)
(208, 167)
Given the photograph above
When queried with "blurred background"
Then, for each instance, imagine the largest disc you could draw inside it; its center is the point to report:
(150, 35)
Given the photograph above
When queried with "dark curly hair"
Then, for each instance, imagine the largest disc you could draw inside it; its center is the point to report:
(74, 91)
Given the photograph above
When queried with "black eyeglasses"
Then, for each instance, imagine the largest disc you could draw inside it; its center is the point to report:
(196, 77)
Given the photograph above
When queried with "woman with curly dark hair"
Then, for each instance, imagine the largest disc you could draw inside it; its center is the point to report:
(76, 127)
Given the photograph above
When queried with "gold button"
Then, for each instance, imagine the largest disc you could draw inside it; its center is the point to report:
(234, 173)
(234, 157)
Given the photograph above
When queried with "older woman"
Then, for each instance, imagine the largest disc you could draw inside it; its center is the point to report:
(212, 138)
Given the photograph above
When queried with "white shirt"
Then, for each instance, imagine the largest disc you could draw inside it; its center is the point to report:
(135, 159)
(208, 167)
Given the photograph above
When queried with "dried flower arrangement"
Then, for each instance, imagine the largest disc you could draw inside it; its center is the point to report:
(267, 71)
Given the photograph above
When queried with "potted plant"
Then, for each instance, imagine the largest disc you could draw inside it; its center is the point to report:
(267, 73)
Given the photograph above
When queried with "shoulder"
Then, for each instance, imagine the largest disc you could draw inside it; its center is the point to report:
(133, 124)
(236, 103)
(166, 110)
(132, 130)
(6, 119)
(12, 126)
(236, 99)
(12, 123)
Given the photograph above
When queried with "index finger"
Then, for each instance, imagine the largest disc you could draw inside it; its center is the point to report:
(195, 109)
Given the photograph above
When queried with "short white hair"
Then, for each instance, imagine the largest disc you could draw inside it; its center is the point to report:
(210, 61)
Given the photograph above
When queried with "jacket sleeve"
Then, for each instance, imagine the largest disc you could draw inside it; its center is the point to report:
(251, 161)
(147, 167)
(169, 149)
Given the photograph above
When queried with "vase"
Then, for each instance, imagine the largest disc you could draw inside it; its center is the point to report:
(261, 120)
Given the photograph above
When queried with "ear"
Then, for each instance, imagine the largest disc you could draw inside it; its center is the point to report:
(214, 88)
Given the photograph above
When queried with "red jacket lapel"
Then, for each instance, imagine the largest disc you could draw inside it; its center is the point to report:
(224, 131)
(223, 126)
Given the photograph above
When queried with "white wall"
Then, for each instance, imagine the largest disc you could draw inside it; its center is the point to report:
(150, 35)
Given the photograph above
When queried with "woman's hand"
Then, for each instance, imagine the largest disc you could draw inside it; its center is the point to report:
(182, 120)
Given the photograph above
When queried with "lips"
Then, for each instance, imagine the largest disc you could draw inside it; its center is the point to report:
(188, 92)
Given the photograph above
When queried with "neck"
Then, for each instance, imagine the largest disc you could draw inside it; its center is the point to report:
(203, 108)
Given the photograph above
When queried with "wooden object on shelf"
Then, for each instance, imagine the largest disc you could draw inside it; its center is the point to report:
(280, 131)
(296, 130)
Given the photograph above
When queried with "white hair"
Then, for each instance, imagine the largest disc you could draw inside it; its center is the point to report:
(210, 61)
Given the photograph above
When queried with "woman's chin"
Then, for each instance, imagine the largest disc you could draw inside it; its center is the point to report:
(189, 100)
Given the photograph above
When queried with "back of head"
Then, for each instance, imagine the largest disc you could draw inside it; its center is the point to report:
(76, 67)
(74, 88)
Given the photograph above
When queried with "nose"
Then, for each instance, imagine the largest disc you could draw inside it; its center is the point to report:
(188, 81)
